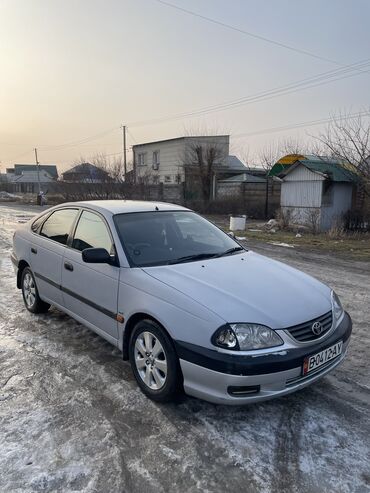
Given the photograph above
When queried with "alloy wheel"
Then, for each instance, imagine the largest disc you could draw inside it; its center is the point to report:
(150, 360)
(29, 290)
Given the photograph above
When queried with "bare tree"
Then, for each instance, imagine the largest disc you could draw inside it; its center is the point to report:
(313, 219)
(245, 155)
(102, 181)
(269, 155)
(348, 138)
(111, 169)
(292, 145)
(275, 150)
(203, 158)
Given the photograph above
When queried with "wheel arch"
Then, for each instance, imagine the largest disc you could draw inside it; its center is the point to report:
(129, 327)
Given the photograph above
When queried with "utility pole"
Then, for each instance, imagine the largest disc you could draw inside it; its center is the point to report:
(38, 170)
(124, 150)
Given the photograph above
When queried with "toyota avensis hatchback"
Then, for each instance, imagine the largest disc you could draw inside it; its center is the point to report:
(187, 305)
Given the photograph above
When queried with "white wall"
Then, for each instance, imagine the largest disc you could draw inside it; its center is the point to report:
(173, 154)
(170, 159)
(301, 188)
(301, 194)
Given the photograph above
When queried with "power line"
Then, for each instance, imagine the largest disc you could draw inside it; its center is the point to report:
(19, 155)
(132, 137)
(306, 83)
(310, 123)
(79, 142)
(248, 33)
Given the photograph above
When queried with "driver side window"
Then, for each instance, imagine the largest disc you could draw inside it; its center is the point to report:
(91, 232)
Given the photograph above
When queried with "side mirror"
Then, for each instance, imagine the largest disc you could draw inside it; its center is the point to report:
(232, 234)
(96, 256)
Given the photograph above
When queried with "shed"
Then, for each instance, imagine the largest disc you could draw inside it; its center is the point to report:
(317, 192)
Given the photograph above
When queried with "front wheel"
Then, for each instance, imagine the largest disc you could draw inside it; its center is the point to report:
(32, 300)
(154, 361)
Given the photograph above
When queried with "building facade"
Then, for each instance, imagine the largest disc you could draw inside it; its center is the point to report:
(166, 161)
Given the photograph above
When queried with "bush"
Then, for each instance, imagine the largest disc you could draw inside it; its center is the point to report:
(357, 220)
(284, 218)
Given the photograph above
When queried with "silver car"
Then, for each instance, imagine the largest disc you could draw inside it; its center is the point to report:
(190, 307)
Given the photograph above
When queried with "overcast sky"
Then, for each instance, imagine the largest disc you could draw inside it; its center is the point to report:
(71, 69)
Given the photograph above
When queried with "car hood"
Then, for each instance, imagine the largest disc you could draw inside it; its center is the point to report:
(248, 287)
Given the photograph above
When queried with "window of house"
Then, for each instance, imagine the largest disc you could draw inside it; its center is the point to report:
(167, 179)
(91, 232)
(141, 159)
(155, 159)
(58, 226)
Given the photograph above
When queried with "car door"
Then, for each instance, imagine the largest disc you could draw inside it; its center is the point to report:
(90, 291)
(48, 244)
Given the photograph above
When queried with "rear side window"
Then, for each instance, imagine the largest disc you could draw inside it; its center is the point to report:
(91, 232)
(58, 226)
(37, 223)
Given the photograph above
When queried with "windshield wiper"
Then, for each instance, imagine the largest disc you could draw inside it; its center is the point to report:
(189, 258)
(229, 252)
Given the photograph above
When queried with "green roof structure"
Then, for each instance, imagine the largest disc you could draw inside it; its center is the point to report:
(334, 169)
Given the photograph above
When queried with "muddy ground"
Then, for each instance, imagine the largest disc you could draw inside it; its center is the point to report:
(73, 419)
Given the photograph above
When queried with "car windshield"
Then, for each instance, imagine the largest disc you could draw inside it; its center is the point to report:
(159, 238)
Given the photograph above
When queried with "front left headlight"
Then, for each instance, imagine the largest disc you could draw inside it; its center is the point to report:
(246, 337)
(337, 307)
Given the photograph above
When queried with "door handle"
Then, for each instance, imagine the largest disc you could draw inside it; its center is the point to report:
(68, 266)
(33, 250)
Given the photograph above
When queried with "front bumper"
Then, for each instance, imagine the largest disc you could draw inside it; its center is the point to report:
(213, 376)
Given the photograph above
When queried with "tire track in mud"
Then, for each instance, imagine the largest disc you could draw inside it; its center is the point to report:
(287, 448)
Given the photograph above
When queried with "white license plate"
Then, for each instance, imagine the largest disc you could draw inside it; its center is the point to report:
(316, 360)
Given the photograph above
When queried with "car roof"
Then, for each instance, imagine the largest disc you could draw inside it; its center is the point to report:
(126, 206)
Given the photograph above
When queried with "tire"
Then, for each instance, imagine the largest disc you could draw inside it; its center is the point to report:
(31, 298)
(154, 361)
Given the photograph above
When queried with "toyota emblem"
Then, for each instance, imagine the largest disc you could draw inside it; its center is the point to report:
(316, 328)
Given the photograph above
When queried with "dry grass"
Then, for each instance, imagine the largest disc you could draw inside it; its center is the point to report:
(350, 245)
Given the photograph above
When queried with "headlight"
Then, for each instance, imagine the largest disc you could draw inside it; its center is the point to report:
(337, 307)
(245, 337)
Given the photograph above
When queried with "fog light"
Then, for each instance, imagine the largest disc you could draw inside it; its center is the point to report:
(243, 391)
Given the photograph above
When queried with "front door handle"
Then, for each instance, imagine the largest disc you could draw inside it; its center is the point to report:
(68, 266)
(33, 250)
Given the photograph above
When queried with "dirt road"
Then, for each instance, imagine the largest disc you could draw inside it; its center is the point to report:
(73, 419)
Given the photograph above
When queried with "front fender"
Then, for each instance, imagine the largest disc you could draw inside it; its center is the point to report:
(183, 318)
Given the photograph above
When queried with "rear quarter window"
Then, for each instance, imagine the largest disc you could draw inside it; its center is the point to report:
(35, 226)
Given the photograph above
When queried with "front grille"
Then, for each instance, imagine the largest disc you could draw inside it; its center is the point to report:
(303, 332)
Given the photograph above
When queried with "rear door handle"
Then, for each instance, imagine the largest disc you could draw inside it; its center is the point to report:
(68, 266)
(33, 250)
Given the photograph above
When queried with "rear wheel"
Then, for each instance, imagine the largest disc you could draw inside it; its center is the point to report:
(154, 361)
(31, 298)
